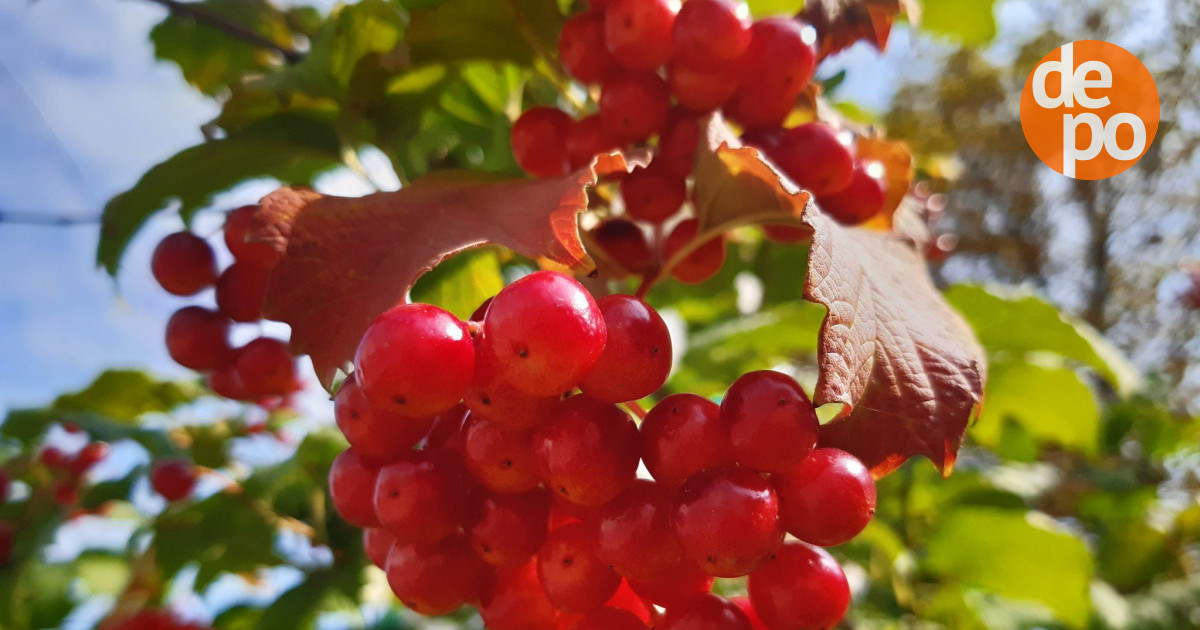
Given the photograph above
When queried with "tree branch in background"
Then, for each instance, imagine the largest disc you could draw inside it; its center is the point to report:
(236, 31)
(1097, 252)
(45, 218)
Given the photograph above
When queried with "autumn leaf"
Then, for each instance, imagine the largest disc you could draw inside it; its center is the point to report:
(345, 260)
(907, 367)
(840, 23)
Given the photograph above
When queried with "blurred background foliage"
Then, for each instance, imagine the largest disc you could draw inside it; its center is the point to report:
(1075, 502)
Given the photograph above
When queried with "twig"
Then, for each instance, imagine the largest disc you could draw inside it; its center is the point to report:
(45, 218)
(636, 409)
(234, 30)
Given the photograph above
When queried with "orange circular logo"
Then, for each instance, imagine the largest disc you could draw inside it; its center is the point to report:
(1089, 109)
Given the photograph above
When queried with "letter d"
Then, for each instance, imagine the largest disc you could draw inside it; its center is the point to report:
(1065, 70)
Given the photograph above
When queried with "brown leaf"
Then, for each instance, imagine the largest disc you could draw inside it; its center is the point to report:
(840, 23)
(906, 365)
(345, 260)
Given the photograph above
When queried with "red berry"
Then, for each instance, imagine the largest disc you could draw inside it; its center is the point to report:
(589, 138)
(701, 90)
(678, 142)
(54, 458)
(609, 618)
(634, 532)
(5, 485)
(827, 499)
(500, 460)
(422, 497)
(683, 435)
(765, 139)
(7, 538)
(781, 60)
(815, 158)
(237, 229)
(66, 492)
(183, 264)
(515, 600)
(771, 422)
(624, 244)
(545, 333)
(415, 359)
(377, 543)
(375, 433)
(494, 399)
(88, 456)
(575, 580)
(352, 489)
(506, 530)
(634, 106)
(711, 33)
(539, 141)
(265, 367)
(582, 50)
(703, 263)
(587, 453)
(446, 432)
(677, 584)
(198, 338)
(637, 356)
(638, 32)
(862, 199)
(174, 479)
(226, 382)
(800, 587)
(755, 622)
(727, 520)
(241, 291)
(436, 578)
(652, 194)
(704, 612)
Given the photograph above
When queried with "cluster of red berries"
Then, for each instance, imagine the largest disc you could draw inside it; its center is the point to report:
(7, 531)
(659, 69)
(479, 481)
(151, 619)
(69, 469)
(198, 337)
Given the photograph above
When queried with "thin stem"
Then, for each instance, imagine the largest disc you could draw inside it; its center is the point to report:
(636, 409)
(236, 31)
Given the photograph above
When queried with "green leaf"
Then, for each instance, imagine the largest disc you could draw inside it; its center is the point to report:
(1050, 402)
(289, 148)
(102, 573)
(772, 8)
(212, 60)
(371, 28)
(459, 30)
(462, 283)
(967, 23)
(1009, 322)
(226, 533)
(1022, 556)
(125, 395)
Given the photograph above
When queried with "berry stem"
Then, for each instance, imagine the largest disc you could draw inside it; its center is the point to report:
(636, 409)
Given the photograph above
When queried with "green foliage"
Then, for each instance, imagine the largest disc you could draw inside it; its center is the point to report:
(967, 23)
(462, 283)
(1048, 404)
(125, 395)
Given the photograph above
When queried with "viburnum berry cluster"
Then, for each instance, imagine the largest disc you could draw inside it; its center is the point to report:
(493, 462)
(263, 370)
(660, 69)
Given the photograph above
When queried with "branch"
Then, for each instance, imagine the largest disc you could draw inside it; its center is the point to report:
(45, 218)
(233, 30)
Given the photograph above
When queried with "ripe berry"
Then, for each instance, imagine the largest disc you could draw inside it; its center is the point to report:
(679, 583)
(545, 333)
(624, 244)
(500, 460)
(174, 479)
(862, 199)
(241, 292)
(727, 520)
(375, 433)
(652, 194)
(634, 106)
(589, 138)
(5, 485)
(634, 532)
(7, 538)
(799, 587)
(771, 422)
(436, 578)
(609, 618)
(539, 141)
(377, 543)
(515, 600)
(755, 622)
(704, 612)
(415, 360)
(226, 382)
(53, 458)
(827, 499)
(781, 59)
(711, 33)
(815, 158)
(446, 433)
(678, 141)
(422, 497)
(703, 263)
(701, 90)
(587, 453)
(638, 32)
(237, 229)
(582, 50)
(765, 139)
(265, 367)
(506, 530)
(494, 399)
(637, 356)
(198, 338)
(183, 264)
(575, 579)
(352, 489)
(88, 456)
(683, 435)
